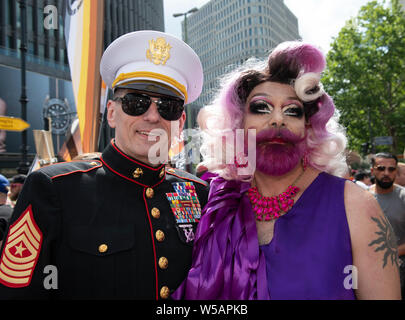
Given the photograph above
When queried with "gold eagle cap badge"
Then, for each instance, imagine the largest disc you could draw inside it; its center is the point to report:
(159, 51)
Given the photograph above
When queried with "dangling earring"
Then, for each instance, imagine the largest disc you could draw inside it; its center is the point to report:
(305, 161)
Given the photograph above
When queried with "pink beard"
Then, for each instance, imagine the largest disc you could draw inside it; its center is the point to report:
(279, 159)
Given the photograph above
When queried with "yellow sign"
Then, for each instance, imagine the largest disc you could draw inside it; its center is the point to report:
(13, 124)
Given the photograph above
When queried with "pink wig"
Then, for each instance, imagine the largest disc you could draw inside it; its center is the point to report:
(294, 63)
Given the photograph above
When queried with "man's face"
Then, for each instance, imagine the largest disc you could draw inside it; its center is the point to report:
(15, 189)
(400, 179)
(277, 115)
(384, 171)
(367, 181)
(133, 134)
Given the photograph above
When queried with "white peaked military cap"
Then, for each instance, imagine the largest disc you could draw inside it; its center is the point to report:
(153, 61)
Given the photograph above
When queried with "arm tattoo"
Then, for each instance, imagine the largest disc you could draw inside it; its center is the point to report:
(386, 241)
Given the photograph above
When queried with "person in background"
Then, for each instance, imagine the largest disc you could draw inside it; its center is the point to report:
(5, 209)
(16, 185)
(3, 133)
(279, 223)
(362, 179)
(400, 178)
(391, 197)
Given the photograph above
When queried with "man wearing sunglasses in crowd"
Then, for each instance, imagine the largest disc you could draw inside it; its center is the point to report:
(120, 226)
(391, 198)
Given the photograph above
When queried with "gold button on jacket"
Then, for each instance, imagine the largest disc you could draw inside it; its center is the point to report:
(164, 292)
(160, 236)
(163, 263)
(102, 248)
(155, 213)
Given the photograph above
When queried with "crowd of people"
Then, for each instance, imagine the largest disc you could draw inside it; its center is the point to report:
(278, 222)
(9, 192)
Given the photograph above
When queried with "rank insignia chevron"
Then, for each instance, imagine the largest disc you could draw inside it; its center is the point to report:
(21, 251)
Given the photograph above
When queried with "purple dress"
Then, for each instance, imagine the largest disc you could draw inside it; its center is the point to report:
(305, 259)
(311, 246)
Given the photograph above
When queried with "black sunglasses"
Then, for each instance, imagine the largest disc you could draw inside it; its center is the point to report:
(382, 168)
(136, 104)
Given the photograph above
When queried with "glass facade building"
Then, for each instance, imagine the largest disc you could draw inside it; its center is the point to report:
(46, 51)
(123, 16)
(46, 47)
(225, 33)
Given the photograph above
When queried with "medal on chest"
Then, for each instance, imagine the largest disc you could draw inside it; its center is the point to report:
(186, 209)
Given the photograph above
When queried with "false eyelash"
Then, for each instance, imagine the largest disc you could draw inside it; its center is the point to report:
(260, 107)
(296, 112)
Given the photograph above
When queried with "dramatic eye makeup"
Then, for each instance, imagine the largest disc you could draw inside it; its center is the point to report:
(261, 105)
(293, 110)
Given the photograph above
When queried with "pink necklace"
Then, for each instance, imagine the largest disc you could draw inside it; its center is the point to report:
(271, 208)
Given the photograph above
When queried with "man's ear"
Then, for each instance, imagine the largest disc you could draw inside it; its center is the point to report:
(111, 113)
(182, 121)
(177, 127)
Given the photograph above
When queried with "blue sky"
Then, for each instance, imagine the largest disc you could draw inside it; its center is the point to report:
(318, 20)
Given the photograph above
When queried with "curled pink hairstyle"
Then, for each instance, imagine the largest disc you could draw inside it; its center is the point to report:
(294, 63)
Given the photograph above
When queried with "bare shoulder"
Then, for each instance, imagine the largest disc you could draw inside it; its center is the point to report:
(362, 210)
(374, 245)
(359, 203)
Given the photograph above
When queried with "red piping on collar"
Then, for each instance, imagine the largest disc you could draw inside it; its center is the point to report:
(129, 179)
(133, 160)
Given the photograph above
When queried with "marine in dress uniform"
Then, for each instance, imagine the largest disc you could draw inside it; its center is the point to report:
(113, 227)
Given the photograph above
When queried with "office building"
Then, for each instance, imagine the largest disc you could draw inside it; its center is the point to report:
(225, 33)
(123, 16)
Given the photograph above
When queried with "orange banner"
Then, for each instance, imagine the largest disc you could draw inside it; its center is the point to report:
(84, 34)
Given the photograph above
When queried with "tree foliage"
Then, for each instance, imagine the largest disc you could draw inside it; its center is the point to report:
(365, 74)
